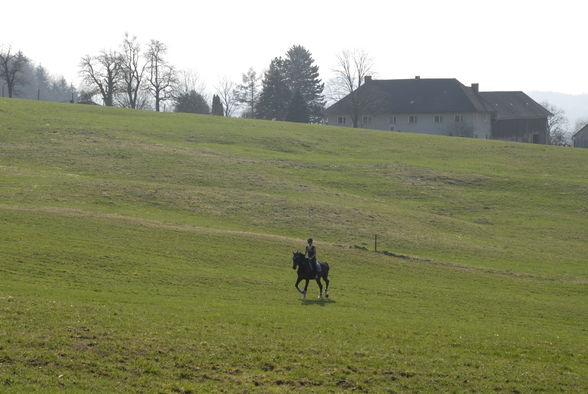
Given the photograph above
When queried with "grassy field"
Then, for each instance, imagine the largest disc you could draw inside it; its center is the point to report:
(152, 252)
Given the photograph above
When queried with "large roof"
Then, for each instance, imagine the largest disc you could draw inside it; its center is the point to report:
(438, 96)
(415, 96)
(513, 105)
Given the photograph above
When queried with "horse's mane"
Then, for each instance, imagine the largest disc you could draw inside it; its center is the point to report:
(299, 256)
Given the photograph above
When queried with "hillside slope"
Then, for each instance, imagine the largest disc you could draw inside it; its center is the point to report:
(152, 252)
(491, 204)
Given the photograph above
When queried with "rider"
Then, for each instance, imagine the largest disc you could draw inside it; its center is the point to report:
(311, 255)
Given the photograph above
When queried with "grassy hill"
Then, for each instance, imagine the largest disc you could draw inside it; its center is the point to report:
(152, 252)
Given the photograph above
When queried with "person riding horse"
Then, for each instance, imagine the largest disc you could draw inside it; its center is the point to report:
(307, 271)
(311, 256)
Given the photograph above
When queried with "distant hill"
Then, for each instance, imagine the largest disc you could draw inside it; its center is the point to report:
(575, 106)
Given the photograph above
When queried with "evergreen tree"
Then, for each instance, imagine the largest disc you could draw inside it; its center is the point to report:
(217, 106)
(192, 102)
(297, 109)
(303, 76)
(41, 83)
(275, 94)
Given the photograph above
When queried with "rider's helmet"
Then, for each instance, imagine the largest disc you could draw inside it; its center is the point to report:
(309, 240)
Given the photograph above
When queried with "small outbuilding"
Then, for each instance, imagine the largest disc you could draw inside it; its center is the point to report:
(581, 137)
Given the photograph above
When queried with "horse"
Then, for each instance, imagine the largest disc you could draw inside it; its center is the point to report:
(306, 273)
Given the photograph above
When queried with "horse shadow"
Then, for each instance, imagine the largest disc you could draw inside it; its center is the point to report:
(319, 301)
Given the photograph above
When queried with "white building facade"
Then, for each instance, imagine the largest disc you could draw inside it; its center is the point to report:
(440, 107)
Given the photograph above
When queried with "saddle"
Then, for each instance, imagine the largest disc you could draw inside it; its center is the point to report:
(314, 268)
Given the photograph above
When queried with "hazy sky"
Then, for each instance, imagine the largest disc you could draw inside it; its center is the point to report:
(503, 45)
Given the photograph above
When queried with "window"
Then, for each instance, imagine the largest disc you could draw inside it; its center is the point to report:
(438, 118)
(366, 119)
(458, 118)
(341, 120)
(392, 119)
(412, 118)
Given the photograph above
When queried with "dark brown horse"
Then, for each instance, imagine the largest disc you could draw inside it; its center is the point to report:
(307, 273)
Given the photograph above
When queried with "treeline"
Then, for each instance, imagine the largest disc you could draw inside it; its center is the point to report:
(20, 78)
(140, 76)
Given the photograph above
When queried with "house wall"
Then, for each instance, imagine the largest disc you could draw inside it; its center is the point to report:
(521, 130)
(475, 124)
(581, 138)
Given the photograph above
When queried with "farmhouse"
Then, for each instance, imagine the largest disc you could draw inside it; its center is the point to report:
(581, 137)
(443, 107)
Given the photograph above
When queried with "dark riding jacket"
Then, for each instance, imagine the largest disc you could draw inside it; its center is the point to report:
(311, 253)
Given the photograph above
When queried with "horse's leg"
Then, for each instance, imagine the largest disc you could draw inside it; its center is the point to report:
(305, 288)
(296, 285)
(318, 281)
(327, 286)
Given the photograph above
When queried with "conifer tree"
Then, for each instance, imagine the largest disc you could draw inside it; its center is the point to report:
(217, 106)
(303, 76)
(275, 94)
(297, 109)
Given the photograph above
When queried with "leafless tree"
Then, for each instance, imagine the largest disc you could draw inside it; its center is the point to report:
(248, 92)
(161, 75)
(580, 123)
(350, 72)
(132, 73)
(102, 74)
(11, 66)
(189, 81)
(226, 92)
(557, 125)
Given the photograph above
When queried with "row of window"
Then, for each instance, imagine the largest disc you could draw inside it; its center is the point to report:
(437, 118)
(366, 120)
(457, 118)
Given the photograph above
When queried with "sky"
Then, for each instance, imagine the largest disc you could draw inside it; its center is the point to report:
(502, 45)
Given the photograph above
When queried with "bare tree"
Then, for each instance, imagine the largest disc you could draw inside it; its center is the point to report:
(557, 125)
(102, 74)
(132, 73)
(227, 94)
(189, 81)
(11, 65)
(161, 75)
(351, 70)
(581, 122)
(248, 92)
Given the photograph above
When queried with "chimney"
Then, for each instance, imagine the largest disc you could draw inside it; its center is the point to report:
(417, 77)
(476, 88)
(368, 78)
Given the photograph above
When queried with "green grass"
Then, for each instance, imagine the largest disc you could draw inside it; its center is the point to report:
(152, 252)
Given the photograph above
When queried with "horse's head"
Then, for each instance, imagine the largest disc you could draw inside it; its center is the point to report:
(297, 259)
